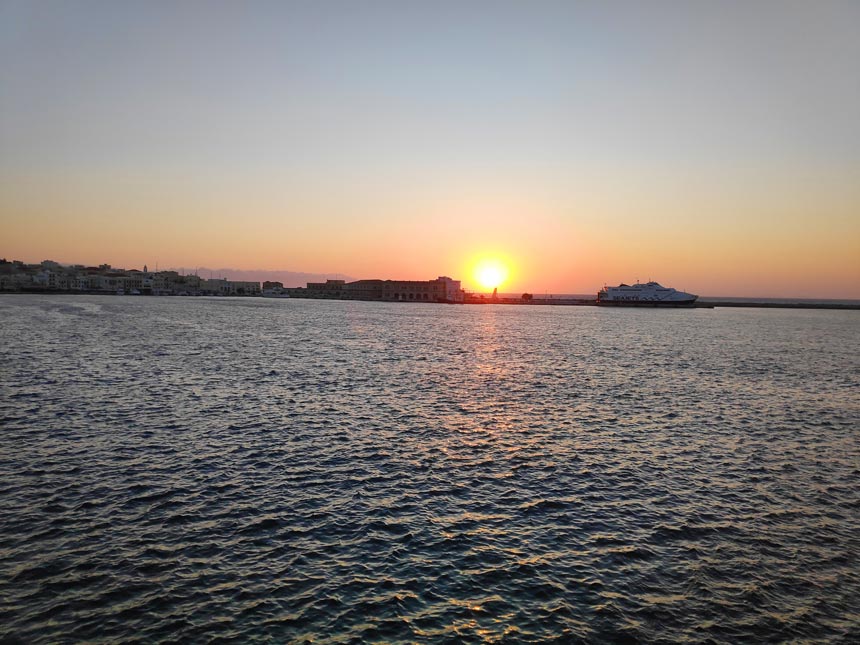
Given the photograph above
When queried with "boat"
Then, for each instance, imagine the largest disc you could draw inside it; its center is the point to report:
(647, 294)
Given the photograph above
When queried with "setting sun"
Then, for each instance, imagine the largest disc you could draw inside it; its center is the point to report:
(490, 273)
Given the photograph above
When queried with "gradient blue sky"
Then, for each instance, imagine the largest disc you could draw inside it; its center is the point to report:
(711, 145)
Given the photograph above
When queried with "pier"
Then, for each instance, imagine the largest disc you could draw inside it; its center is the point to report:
(472, 299)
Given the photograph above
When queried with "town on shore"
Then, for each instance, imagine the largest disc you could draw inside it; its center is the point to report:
(53, 277)
(50, 276)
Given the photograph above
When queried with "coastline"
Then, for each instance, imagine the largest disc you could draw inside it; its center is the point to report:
(471, 299)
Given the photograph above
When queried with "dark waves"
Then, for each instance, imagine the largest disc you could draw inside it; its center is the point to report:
(196, 470)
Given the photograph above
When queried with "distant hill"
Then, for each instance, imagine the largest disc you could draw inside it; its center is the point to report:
(288, 278)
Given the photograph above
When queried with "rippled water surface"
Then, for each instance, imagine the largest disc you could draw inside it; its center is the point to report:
(288, 470)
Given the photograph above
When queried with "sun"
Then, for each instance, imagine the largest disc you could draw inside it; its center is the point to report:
(490, 273)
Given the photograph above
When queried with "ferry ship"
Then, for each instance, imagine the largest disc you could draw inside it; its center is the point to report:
(648, 294)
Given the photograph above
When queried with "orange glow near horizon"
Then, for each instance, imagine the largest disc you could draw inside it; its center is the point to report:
(738, 246)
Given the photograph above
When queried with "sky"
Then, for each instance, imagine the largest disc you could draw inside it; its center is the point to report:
(712, 146)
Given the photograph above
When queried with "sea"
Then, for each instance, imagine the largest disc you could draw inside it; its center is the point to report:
(202, 470)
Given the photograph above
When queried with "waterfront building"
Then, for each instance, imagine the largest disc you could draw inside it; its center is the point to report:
(138, 281)
(273, 289)
(365, 290)
(327, 289)
(442, 289)
(243, 288)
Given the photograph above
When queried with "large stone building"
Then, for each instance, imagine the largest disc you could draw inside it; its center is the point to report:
(442, 289)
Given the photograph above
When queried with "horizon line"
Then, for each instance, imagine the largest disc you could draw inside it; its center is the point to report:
(344, 276)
